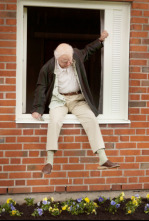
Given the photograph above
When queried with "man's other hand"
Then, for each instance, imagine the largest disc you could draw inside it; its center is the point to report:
(36, 115)
(103, 36)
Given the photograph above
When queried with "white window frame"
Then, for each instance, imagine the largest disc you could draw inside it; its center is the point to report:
(116, 59)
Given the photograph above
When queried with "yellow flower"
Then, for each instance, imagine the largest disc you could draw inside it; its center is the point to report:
(52, 199)
(133, 198)
(45, 199)
(64, 207)
(94, 211)
(50, 209)
(135, 202)
(121, 198)
(95, 204)
(147, 196)
(8, 201)
(87, 200)
(123, 194)
(129, 211)
(13, 212)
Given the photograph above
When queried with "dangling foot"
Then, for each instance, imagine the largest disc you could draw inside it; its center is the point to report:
(108, 165)
(47, 169)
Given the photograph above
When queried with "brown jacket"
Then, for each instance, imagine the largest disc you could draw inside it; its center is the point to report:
(45, 83)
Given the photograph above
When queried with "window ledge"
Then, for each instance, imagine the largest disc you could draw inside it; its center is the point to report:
(69, 119)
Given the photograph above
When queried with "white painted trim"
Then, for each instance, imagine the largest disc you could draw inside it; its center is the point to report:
(107, 117)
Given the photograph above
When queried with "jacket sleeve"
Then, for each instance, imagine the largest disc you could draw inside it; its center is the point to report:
(90, 49)
(40, 92)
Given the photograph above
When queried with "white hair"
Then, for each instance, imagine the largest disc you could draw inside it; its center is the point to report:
(63, 49)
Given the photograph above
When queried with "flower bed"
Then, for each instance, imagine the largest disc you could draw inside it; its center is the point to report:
(119, 208)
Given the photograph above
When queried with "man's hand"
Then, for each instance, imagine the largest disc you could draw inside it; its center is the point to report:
(36, 115)
(103, 36)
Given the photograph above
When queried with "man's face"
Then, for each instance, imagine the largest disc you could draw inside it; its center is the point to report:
(65, 61)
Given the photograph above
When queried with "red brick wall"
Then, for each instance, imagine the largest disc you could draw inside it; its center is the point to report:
(22, 146)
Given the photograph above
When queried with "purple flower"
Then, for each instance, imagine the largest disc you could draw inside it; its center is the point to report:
(113, 203)
(79, 200)
(101, 199)
(117, 206)
(40, 212)
(12, 207)
(44, 202)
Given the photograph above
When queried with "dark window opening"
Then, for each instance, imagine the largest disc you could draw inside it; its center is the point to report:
(46, 29)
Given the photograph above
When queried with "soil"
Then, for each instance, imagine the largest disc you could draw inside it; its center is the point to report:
(102, 213)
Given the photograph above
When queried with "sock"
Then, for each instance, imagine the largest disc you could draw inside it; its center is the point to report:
(50, 156)
(102, 156)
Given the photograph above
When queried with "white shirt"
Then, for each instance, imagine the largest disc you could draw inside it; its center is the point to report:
(67, 81)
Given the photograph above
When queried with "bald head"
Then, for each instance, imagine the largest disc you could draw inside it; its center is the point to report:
(64, 54)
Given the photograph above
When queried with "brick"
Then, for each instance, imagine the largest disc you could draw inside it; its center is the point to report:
(20, 183)
(111, 173)
(33, 153)
(20, 175)
(134, 173)
(77, 188)
(48, 189)
(94, 181)
(60, 181)
(140, 6)
(33, 161)
(139, 20)
(61, 160)
(130, 166)
(11, 7)
(116, 187)
(57, 175)
(10, 132)
(99, 187)
(8, 14)
(74, 153)
(7, 88)
(19, 190)
(130, 152)
(4, 176)
(124, 131)
(73, 167)
(69, 146)
(11, 21)
(37, 175)
(9, 44)
(3, 190)
(139, 55)
(89, 159)
(14, 168)
(78, 174)
(34, 146)
(125, 145)
(12, 66)
(143, 145)
(27, 139)
(138, 48)
(37, 182)
(10, 80)
(4, 183)
(10, 146)
(132, 187)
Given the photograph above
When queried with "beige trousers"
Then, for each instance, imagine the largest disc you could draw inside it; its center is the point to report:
(77, 106)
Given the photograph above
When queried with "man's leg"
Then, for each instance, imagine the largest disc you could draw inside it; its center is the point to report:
(91, 126)
(56, 121)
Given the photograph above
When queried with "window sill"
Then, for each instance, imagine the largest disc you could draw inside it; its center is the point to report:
(69, 119)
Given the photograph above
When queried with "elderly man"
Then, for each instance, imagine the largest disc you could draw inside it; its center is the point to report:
(63, 85)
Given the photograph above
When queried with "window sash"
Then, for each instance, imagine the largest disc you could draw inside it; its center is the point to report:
(115, 67)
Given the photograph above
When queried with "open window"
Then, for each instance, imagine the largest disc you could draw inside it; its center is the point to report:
(42, 25)
(48, 27)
